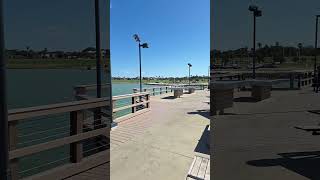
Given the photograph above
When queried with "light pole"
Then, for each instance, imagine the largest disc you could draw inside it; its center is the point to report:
(4, 158)
(316, 45)
(189, 65)
(143, 45)
(256, 13)
(98, 48)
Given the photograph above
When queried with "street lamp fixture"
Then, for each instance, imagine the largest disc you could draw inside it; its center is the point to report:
(256, 13)
(143, 45)
(190, 65)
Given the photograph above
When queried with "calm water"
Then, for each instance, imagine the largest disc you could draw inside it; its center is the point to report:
(39, 87)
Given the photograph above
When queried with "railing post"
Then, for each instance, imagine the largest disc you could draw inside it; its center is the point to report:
(160, 90)
(147, 99)
(166, 89)
(133, 101)
(135, 90)
(113, 107)
(299, 81)
(80, 91)
(76, 126)
(154, 91)
(13, 141)
(291, 80)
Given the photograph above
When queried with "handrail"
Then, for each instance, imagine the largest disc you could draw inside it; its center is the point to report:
(77, 110)
(82, 90)
(24, 113)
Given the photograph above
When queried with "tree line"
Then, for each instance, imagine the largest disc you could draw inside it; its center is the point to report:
(277, 53)
(29, 53)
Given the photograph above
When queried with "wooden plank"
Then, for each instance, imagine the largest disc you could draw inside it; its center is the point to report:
(196, 166)
(203, 168)
(191, 167)
(130, 106)
(207, 175)
(25, 113)
(57, 143)
(69, 170)
(76, 126)
(129, 95)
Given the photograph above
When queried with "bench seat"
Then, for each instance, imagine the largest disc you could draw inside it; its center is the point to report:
(199, 169)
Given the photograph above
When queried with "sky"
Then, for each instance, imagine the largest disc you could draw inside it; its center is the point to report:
(287, 21)
(178, 32)
(54, 24)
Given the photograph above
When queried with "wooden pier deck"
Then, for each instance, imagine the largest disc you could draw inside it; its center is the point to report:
(258, 139)
(158, 144)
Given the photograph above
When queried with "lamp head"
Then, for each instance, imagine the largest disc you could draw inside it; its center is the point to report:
(145, 45)
(136, 37)
(190, 65)
(253, 8)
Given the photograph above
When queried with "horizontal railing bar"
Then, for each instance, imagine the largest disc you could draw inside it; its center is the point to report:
(92, 86)
(130, 106)
(57, 143)
(24, 113)
(130, 95)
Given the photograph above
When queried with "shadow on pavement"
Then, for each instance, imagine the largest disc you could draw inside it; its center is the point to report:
(304, 163)
(204, 113)
(245, 99)
(203, 143)
(169, 97)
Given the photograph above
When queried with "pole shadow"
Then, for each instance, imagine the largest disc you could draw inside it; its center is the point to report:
(303, 163)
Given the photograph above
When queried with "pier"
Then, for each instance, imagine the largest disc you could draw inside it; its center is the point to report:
(260, 137)
(149, 130)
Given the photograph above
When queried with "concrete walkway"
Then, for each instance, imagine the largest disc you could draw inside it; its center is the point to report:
(257, 140)
(165, 139)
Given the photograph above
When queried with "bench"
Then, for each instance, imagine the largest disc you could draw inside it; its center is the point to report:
(222, 92)
(177, 92)
(314, 129)
(199, 169)
(191, 90)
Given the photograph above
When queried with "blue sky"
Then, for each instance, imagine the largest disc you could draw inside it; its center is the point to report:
(56, 25)
(178, 32)
(287, 21)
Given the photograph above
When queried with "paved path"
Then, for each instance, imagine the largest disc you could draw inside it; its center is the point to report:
(160, 144)
(256, 140)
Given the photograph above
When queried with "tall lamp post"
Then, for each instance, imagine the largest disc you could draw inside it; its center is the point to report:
(256, 13)
(316, 45)
(98, 48)
(143, 45)
(189, 65)
(4, 158)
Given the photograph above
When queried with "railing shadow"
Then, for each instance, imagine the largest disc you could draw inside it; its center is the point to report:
(304, 163)
(169, 97)
(203, 143)
(205, 113)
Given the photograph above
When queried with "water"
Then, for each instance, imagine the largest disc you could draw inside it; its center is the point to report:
(40, 87)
